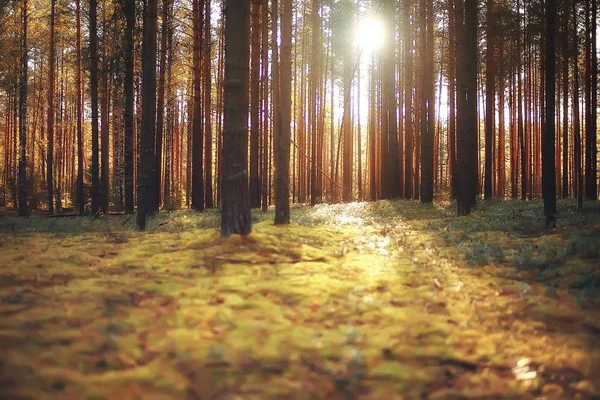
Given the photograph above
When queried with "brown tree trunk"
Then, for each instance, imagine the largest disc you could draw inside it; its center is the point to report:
(548, 143)
(282, 147)
(254, 189)
(146, 165)
(23, 185)
(197, 135)
(94, 104)
(408, 101)
(208, 137)
(129, 11)
(235, 213)
(490, 97)
(50, 148)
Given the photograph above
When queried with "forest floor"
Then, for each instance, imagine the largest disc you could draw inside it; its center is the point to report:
(385, 300)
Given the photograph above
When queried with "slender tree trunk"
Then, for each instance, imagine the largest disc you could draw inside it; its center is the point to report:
(160, 107)
(548, 169)
(197, 136)
(50, 149)
(129, 11)
(80, 193)
(235, 213)
(94, 104)
(520, 128)
(408, 97)
(426, 135)
(104, 107)
(208, 137)
(565, 87)
(254, 189)
(490, 96)
(23, 186)
(282, 153)
(146, 166)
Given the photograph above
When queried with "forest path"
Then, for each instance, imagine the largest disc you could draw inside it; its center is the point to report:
(370, 300)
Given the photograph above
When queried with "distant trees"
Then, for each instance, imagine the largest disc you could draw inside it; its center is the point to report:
(376, 126)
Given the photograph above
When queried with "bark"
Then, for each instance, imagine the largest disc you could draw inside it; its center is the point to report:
(80, 193)
(197, 135)
(146, 167)
(208, 171)
(129, 11)
(490, 97)
(50, 129)
(23, 186)
(160, 107)
(548, 143)
(282, 146)
(94, 104)
(235, 213)
(408, 99)
(254, 190)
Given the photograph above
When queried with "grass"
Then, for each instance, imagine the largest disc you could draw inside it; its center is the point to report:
(364, 300)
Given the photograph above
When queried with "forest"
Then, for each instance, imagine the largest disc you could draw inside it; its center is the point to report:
(299, 199)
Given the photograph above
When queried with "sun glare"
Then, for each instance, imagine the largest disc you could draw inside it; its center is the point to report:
(369, 34)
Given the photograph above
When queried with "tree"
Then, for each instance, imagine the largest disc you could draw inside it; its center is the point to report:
(490, 99)
(50, 129)
(282, 141)
(23, 208)
(80, 195)
(427, 101)
(208, 137)
(254, 189)
(548, 160)
(129, 11)
(161, 100)
(146, 166)
(94, 105)
(235, 213)
(197, 139)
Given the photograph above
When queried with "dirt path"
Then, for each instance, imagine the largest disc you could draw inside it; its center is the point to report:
(367, 305)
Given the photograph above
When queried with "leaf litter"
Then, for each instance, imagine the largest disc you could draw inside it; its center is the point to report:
(363, 300)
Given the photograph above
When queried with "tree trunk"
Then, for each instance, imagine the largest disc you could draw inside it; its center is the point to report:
(50, 129)
(80, 192)
(23, 186)
(160, 107)
(94, 104)
(197, 135)
(548, 143)
(235, 213)
(490, 97)
(129, 11)
(146, 166)
(254, 189)
(408, 99)
(282, 147)
(208, 137)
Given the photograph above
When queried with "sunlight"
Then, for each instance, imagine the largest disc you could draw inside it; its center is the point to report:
(369, 35)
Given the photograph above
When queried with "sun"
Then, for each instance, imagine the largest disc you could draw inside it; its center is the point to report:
(369, 34)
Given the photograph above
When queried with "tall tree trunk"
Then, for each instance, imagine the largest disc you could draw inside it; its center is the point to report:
(104, 119)
(94, 104)
(282, 147)
(146, 166)
(565, 87)
(408, 99)
(591, 175)
(23, 186)
(315, 97)
(80, 193)
(520, 127)
(578, 175)
(197, 135)
(50, 149)
(160, 107)
(129, 11)
(548, 143)
(490, 97)
(427, 115)
(389, 87)
(235, 213)
(208, 137)
(254, 189)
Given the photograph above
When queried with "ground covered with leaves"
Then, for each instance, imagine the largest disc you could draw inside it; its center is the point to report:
(386, 300)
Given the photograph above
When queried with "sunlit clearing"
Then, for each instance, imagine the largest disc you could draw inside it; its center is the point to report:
(369, 34)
